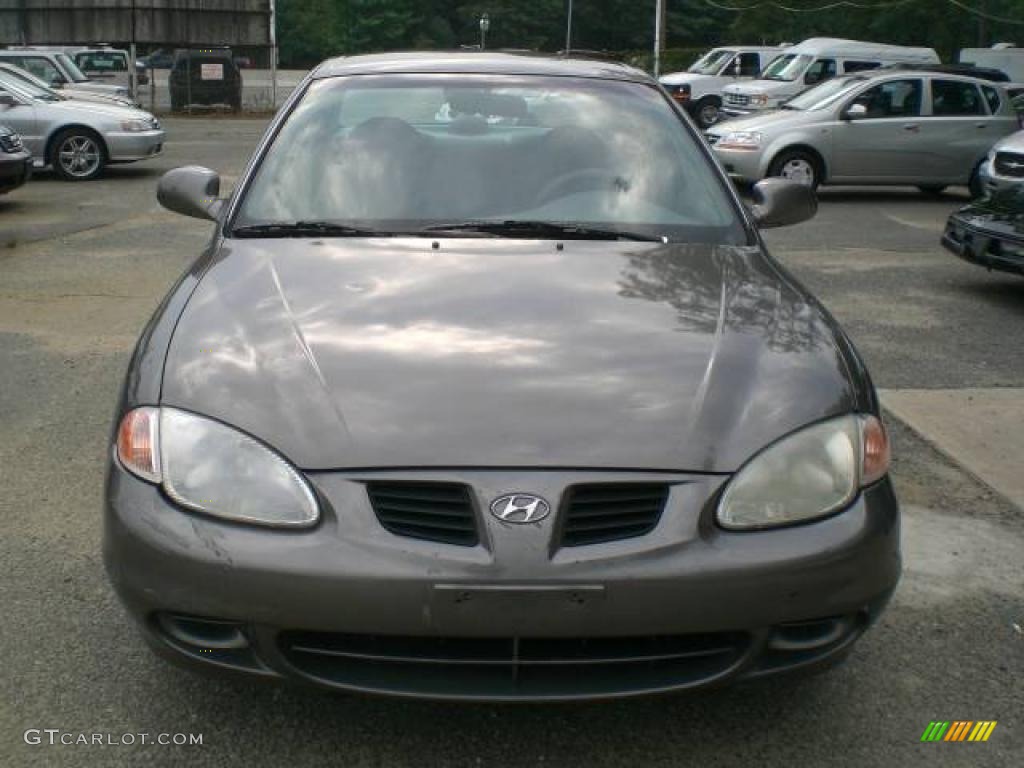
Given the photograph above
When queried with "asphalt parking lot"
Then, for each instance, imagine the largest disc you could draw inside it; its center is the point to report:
(82, 267)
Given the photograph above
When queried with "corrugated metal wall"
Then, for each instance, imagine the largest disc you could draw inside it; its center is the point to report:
(166, 22)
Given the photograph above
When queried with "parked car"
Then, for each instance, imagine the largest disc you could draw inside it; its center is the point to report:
(20, 75)
(990, 232)
(57, 70)
(109, 65)
(15, 159)
(903, 127)
(161, 58)
(699, 89)
(78, 139)
(470, 407)
(205, 77)
(812, 62)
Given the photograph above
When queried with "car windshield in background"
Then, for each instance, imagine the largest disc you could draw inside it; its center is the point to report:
(825, 95)
(709, 63)
(488, 156)
(25, 89)
(787, 67)
(102, 61)
(72, 69)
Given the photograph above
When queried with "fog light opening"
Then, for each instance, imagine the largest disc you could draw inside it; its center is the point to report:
(204, 634)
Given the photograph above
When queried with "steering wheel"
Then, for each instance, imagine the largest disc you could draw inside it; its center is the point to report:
(580, 181)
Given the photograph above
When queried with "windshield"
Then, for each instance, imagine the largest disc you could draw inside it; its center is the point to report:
(787, 67)
(824, 95)
(28, 79)
(72, 69)
(710, 62)
(407, 153)
(25, 88)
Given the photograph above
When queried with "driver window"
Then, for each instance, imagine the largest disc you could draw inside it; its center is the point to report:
(750, 64)
(896, 98)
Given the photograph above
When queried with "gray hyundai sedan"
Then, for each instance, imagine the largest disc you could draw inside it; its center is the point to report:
(486, 388)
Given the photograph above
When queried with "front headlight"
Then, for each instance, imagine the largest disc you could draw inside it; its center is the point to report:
(134, 126)
(209, 467)
(679, 92)
(807, 475)
(741, 140)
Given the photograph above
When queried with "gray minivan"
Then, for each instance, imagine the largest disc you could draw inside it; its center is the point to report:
(895, 127)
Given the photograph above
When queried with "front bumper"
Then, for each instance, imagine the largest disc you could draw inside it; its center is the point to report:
(15, 170)
(744, 165)
(985, 249)
(126, 147)
(348, 605)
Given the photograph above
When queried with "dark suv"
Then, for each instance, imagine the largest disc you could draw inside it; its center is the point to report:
(205, 76)
(15, 160)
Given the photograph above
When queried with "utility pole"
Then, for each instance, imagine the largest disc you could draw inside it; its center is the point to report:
(568, 31)
(485, 24)
(272, 23)
(659, 35)
(983, 25)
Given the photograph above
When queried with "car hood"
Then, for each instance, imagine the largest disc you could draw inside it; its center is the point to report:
(776, 118)
(95, 109)
(1012, 143)
(769, 87)
(97, 98)
(347, 353)
(95, 87)
(678, 78)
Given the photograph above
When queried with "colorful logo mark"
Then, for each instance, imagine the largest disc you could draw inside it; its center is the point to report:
(958, 730)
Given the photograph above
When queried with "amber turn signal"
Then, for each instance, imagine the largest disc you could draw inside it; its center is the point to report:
(877, 454)
(138, 443)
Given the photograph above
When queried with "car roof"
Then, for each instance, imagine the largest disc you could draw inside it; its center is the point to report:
(478, 62)
(897, 74)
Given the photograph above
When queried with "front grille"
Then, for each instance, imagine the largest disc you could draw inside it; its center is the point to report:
(10, 142)
(1010, 164)
(737, 99)
(512, 668)
(441, 512)
(610, 511)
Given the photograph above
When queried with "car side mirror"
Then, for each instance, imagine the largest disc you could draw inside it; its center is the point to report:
(855, 112)
(812, 78)
(191, 191)
(781, 202)
(6, 100)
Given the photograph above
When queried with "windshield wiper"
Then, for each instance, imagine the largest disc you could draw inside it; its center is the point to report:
(306, 229)
(519, 228)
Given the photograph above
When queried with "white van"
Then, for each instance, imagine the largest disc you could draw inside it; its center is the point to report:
(699, 89)
(1005, 57)
(811, 62)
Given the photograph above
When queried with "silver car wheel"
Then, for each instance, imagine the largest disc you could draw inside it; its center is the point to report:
(79, 156)
(799, 170)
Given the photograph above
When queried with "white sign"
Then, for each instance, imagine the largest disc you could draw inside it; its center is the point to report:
(211, 72)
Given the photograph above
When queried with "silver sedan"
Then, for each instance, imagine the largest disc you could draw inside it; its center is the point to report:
(899, 127)
(76, 138)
